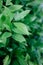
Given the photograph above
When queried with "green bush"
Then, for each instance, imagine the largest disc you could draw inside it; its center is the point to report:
(21, 32)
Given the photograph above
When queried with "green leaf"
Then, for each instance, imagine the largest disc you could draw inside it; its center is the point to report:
(22, 61)
(1, 4)
(21, 15)
(8, 13)
(3, 41)
(1, 22)
(5, 22)
(31, 63)
(19, 38)
(8, 2)
(21, 28)
(6, 35)
(7, 27)
(6, 61)
(27, 58)
(15, 7)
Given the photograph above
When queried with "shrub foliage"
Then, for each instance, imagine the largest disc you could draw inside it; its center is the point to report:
(21, 32)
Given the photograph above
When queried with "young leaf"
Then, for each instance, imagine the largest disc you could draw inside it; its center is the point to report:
(20, 28)
(19, 38)
(6, 61)
(6, 35)
(14, 8)
(8, 13)
(21, 15)
(8, 2)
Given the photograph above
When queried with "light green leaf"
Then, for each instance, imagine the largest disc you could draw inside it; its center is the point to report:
(27, 58)
(6, 35)
(7, 27)
(5, 22)
(3, 41)
(19, 38)
(8, 2)
(15, 7)
(6, 61)
(20, 28)
(31, 63)
(8, 13)
(21, 15)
